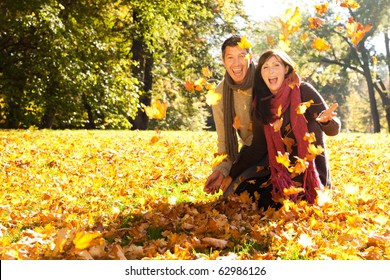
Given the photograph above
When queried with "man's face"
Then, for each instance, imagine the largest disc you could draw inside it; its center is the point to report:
(236, 63)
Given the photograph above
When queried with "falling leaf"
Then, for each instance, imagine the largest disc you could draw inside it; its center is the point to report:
(349, 4)
(212, 97)
(374, 60)
(304, 37)
(321, 8)
(292, 190)
(188, 85)
(218, 159)
(291, 22)
(244, 43)
(301, 109)
(300, 166)
(157, 110)
(315, 22)
(320, 44)
(277, 124)
(248, 56)
(309, 137)
(237, 124)
(314, 151)
(206, 72)
(356, 31)
(283, 159)
(270, 40)
(289, 142)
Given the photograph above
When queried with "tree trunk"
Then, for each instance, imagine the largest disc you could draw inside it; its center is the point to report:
(91, 117)
(143, 72)
(48, 118)
(371, 90)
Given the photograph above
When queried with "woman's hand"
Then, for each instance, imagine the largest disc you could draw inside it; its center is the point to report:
(328, 114)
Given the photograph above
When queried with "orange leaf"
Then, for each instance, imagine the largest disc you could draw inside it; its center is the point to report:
(322, 8)
(277, 124)
(188, 85)
(270, 40)
(288, 142)
(237, 124)
(349, 4)
(315, 22)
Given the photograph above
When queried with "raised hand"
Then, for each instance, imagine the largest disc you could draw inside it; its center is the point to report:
(328, 114)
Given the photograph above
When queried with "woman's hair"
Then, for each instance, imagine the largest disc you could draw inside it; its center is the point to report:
(261, 93)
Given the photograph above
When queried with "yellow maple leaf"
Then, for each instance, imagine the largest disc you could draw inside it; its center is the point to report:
(314, 151)
(301, 109)
(244, 43)
(157, 110)
(83, 240)
(320, 44)
(381, 219)
(309, 137)
(300, 165)
(218, 159)
(212, 97)
(206, 72)
(283, 159)
(292, 190)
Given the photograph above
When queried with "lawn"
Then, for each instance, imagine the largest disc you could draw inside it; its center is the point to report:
(138, 195)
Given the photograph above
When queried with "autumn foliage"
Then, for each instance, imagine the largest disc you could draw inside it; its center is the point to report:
(120, 195)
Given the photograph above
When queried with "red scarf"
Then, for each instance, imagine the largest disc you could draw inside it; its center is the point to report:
(289, 95)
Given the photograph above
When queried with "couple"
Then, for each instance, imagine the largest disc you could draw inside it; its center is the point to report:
(282, 123)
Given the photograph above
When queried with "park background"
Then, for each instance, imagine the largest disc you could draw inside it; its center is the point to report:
(107, 134)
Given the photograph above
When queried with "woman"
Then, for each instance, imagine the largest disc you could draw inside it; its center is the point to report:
(281, 128)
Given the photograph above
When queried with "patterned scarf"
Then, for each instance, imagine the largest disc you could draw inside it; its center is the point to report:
(229, 113)
(289, 96)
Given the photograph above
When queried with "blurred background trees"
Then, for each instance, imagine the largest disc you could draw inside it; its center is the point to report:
(97, 64)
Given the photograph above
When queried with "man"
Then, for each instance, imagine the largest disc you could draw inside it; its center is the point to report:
(235, 107)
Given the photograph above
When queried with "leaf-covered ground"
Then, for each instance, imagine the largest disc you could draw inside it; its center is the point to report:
(138, 195)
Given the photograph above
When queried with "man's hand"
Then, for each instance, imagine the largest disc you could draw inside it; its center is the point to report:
(328, 114)
(214, 182)
(226, 183)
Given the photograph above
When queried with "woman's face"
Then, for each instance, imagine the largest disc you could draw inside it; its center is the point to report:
(273, 72)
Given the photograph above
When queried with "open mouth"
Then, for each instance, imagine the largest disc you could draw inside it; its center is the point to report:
(273, 80)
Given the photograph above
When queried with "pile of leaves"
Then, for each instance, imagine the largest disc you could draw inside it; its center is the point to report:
(139, 195)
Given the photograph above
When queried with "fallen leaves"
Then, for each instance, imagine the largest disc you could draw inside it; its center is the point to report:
(115, 195)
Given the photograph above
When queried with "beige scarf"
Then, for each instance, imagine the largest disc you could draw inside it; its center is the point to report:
(229, 113)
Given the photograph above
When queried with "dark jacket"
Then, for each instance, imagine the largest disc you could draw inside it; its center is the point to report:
(258, 150)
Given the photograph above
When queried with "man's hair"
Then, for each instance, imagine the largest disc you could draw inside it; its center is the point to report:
(232, 41)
